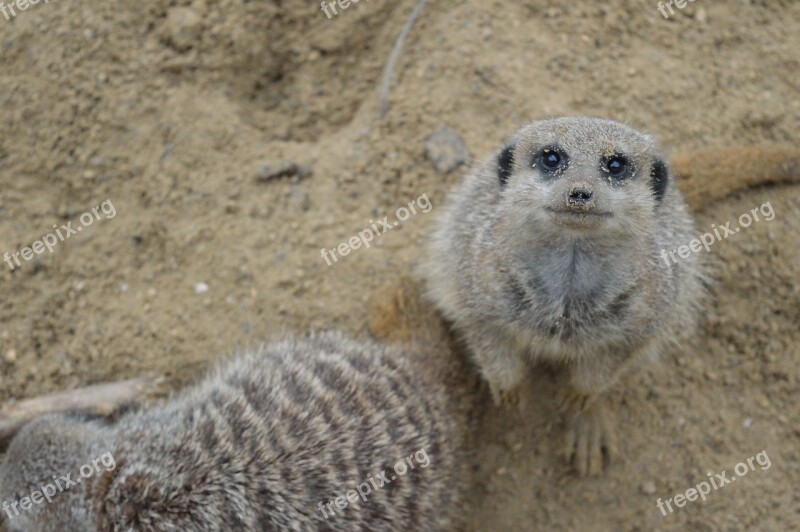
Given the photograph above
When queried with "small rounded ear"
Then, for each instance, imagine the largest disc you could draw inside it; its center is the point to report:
(659, 177)
(505, 164)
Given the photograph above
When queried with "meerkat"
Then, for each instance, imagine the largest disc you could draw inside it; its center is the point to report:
(323, 433)
(549, 251)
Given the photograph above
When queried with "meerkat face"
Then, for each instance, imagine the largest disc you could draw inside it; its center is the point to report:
(583, 175)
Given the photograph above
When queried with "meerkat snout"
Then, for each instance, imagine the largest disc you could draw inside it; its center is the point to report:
(580, 197)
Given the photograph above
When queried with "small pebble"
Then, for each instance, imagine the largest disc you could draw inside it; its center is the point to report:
(649, 487)
(275, 169)
(446, 150)
(183, 27)
(200, 288)
(701, 15)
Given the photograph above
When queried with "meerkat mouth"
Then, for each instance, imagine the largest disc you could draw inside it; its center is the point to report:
(578, 219)
(571, 213)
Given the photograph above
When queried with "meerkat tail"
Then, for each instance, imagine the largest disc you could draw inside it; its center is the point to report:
(705, 176)
(400, 316)
(98, 399)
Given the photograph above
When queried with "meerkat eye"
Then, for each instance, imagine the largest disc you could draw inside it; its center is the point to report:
(551, 160)
(617, 166)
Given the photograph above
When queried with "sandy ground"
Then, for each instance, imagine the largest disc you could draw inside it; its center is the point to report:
(177, 112)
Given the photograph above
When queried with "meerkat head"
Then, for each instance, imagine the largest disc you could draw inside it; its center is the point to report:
(34, 492)
(582, 176)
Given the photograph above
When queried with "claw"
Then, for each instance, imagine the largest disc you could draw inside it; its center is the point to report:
(590, 442)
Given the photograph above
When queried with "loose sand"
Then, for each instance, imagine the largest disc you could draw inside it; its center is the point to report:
(171, 112)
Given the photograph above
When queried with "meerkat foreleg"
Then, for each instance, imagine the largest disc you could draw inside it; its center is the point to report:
(502, 367)
(590, 440)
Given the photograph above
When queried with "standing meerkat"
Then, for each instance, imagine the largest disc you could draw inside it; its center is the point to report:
(552, 251)
(324, 433)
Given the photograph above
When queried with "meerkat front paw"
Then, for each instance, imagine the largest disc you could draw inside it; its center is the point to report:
(505, 397)
(504, 382)
(590, 441)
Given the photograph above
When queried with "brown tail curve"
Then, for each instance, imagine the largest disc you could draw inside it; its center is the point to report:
(705, 176)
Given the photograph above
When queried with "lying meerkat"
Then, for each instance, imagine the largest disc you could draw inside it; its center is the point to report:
(304, 434)
(548, 251)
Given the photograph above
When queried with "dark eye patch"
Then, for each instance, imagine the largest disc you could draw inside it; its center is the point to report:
(659, 177)
(505, 164)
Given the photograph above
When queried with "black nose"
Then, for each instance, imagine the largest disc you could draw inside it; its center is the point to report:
(579, 196)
